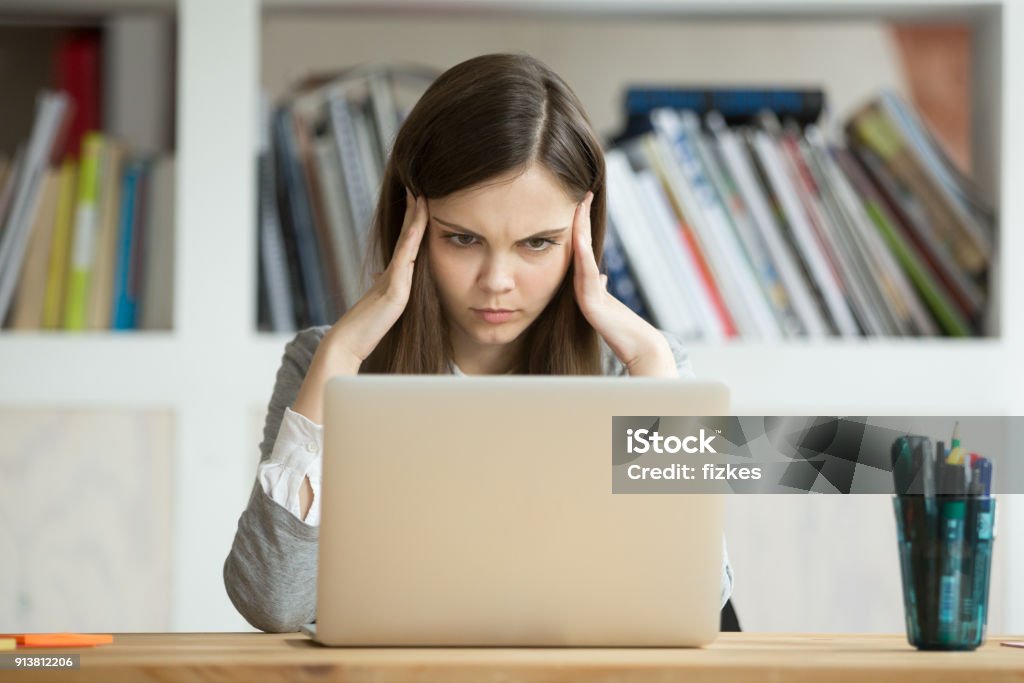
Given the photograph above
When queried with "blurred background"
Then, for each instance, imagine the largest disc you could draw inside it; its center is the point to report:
(183, 185)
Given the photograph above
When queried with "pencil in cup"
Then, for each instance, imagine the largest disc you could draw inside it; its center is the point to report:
(945, 566)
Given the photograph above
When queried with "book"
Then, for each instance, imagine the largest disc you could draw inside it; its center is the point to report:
(339, 220)
(31, 292)
(703, 292)
(881, 309)
(739, 162)
(871, 128)
(977, 213)
(833, 247)
(125, 299)
(949, 319)
(156, 293)
(296, 207)
(892, 281)
(754, 249)
(79, 75)
(274, 271)
(647, 263)
(662, 228)
(737, 106)
(621, 283)
(807, 243)
(44, 139)
(717, 240)
(914, 224)
(334, 298)
(101, 296)
(56, 279)
(7, 184)
(82, 257)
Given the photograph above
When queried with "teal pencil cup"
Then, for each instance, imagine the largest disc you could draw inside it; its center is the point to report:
(945, 545)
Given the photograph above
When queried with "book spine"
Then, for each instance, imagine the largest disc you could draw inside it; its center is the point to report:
(123, 311)
(83, 246)
(804, 237)
(306, 245)
(948, 318)
(739, 164)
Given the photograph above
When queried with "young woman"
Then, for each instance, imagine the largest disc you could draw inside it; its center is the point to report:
(486, 243)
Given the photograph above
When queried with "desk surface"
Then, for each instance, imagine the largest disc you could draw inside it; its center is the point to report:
(734, 657)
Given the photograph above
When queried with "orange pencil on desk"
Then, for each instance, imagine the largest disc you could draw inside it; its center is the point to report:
(8, 644)
(59, 639)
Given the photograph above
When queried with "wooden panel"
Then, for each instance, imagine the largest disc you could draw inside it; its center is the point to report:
(85, 536)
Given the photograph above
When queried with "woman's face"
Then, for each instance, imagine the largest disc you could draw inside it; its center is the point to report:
(506, 245)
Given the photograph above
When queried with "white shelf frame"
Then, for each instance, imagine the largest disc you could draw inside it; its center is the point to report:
(213, 368)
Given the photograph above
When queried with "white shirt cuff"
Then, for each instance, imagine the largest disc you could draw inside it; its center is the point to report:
(296, 455)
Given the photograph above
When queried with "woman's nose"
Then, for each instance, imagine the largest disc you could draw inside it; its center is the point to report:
(497, 275)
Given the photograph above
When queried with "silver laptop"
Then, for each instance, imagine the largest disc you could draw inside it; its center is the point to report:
(477, 511)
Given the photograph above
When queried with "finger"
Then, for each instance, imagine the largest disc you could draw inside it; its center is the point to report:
(586, 216)
(410, 210)
(586, 263)
(604, 281)
(412, 233)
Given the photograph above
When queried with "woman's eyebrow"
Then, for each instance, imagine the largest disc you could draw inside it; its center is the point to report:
(542, 233)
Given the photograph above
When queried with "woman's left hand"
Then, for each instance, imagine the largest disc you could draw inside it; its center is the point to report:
(638, 344)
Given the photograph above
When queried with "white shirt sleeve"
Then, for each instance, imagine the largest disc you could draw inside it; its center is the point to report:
(297, 454)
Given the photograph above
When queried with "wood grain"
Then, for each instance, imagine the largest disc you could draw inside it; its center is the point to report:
(733, 658)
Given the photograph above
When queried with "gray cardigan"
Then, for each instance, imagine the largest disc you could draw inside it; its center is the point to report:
(270, 572)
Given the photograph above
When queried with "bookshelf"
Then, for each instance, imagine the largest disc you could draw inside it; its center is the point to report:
(214, 371)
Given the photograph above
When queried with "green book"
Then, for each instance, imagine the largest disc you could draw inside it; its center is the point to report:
(83, 246)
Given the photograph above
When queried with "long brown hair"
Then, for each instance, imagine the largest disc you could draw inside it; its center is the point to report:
(487, 117)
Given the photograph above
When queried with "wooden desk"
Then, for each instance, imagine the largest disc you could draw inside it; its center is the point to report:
(733, 658)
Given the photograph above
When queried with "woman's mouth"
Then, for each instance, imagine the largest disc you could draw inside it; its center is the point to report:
(494, 316)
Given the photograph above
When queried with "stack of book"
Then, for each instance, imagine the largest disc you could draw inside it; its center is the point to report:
(730, 213)
(86, 230)
(86, 223)
(321, 163)
(725, 223)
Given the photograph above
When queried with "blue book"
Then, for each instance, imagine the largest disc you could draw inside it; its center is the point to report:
(620, 281)
(124, 312)
(738, 106)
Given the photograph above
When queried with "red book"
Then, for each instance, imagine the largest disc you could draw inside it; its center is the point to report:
(77, 68)
(690, 245)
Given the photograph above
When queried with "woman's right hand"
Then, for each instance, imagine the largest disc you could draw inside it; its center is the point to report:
(362, 327)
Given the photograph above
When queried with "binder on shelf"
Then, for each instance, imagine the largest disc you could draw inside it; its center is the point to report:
(737, 106)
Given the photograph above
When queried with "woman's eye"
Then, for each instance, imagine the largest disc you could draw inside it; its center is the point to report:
(540, 243)
(457, 239)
